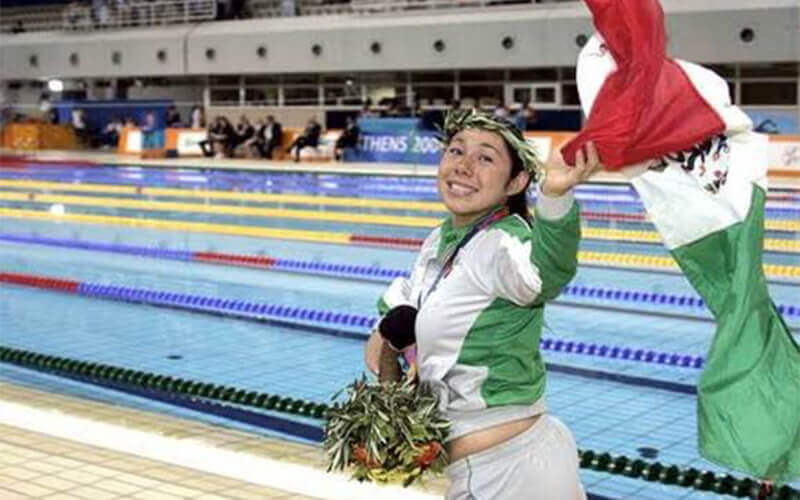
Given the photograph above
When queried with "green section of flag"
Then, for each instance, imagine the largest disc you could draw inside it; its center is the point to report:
(749, 392)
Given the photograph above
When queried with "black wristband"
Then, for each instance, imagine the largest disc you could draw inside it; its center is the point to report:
(397, 327)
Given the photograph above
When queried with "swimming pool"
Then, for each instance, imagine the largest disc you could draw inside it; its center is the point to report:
(619, 403)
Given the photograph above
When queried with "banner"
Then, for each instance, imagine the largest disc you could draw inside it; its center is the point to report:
(784, 153)
(395, 140)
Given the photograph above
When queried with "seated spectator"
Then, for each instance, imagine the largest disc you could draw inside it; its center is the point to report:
(220, 133)
(111, 132)
(273, 135)
(244, 131)
(173, 118)
(18, 28)
(501, 111)
(309, 137)
(268, 137)
(525, 117)
(254, 144)
(348, 139)
(198, 117)
(81, 127)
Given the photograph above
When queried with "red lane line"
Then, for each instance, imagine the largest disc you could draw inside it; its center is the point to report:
(614, 216)
(68, 286)
(249, 260)
(379, 240)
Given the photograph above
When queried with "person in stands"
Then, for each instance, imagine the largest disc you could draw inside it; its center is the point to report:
(309, 137)
(348, 139)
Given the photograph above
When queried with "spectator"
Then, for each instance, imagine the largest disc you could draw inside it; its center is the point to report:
(254, 145)
(501, 111)
(81, 127)
(273, 137)
(111, 132)
(392, 110)
(45, 106)
(18, 28)
(151, 136)
(223, 10)
(101, 13)
(124, 13)
(348, 139)
(77, 16)
(198, 117)
(244, 132)
(173, 118)
(367, 111)
(220, 134)
(309, 137)
(525, 117)
(238, 9)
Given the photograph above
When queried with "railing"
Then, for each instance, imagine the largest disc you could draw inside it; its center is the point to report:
(132, 13)
(122, 14)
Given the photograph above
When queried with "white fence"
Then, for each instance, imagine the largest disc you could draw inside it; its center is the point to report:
(131, 13)
(107, 15)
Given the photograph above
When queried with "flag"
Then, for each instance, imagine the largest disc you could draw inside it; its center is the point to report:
(705, 193)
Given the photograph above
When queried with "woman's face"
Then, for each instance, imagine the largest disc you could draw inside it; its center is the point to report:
(474, 175)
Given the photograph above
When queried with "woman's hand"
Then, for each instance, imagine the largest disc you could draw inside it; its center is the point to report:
(560, 177)
(372, 352)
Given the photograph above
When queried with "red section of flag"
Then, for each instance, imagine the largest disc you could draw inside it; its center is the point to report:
(68, 286)
(648, 107)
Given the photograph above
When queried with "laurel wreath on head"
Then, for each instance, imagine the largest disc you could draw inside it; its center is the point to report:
(457, 120)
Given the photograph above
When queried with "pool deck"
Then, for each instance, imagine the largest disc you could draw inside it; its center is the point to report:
(59, 447)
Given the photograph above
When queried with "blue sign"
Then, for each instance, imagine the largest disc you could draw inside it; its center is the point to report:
(775, 121)
(395, 140)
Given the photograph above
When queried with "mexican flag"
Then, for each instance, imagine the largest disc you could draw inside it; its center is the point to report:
(701, 173)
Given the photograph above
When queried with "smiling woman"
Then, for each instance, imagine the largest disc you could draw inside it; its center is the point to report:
(477, 292)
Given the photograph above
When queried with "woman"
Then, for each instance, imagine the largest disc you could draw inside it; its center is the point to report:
(474, 304)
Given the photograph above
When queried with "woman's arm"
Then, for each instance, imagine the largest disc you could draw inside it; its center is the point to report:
(556, 230)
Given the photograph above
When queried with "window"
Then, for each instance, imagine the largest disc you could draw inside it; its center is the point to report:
(433, 77)
(224, 96)
(301, 96)
(342, 95)
(534, 75)
(376, 92)
(568, 73)
(301, 78)
(262, 96)
(262, 80)
(223, 80)
(439, 95)
(769, 93)
(723, 70)
(481, 75)
(483, 95)
(569, 94)
(341, 78)
(770, 70)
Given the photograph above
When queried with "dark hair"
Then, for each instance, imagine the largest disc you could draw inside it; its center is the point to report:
(518, 203)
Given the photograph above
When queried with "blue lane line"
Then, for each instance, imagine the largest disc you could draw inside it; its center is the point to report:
(298, 318)
(375, 274)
